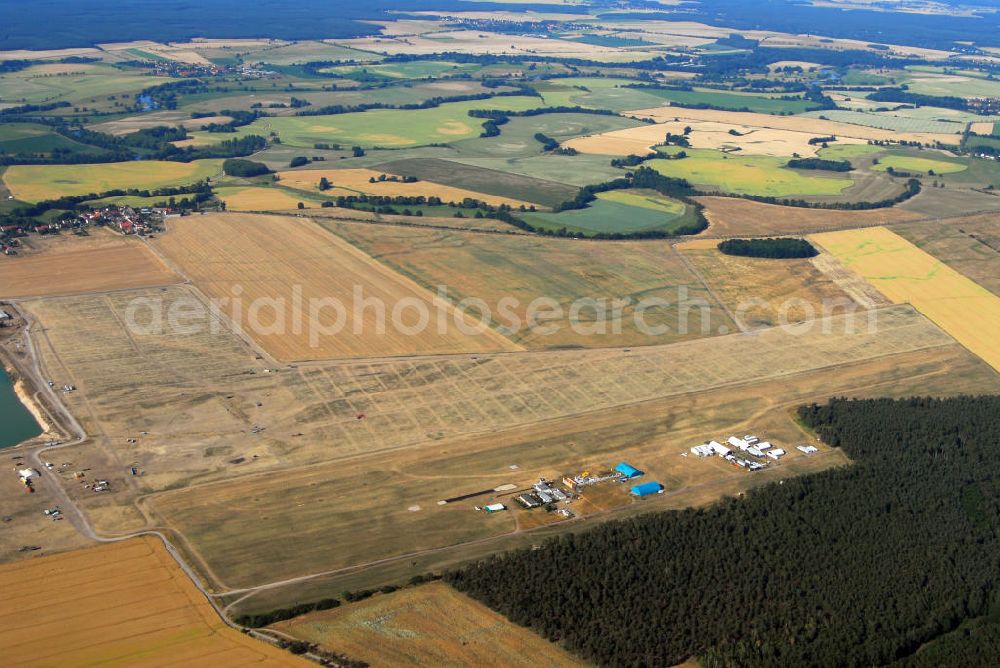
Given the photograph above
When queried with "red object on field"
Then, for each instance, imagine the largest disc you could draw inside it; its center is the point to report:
(361, 416)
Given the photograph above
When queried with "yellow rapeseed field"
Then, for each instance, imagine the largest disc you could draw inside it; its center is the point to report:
(904, 273)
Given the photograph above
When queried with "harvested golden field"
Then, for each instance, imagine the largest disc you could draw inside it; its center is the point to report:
(430, 625)
(252, 198)
(122, 604)
(754, 140)
(107, 263)
(734, 217)
(492, 268)
(906, 274)
(766, 293)
(269, 262)
(358, 181)
(815, 127)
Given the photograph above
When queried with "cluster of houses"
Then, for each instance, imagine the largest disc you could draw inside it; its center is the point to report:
(749, 444)
(126, 220)
(984, 106)
(172, 68)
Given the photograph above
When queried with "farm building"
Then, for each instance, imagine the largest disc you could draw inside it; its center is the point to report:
(529, 501)
(628, 471)
(711, 448)
(494, 508)
(807, 449)
(738, 443)
(647, 488)
(775, 453)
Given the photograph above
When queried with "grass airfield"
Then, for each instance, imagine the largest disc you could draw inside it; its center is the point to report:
(286, 471)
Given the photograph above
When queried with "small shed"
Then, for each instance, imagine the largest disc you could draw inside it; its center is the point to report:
(647, 488)
(628, 471)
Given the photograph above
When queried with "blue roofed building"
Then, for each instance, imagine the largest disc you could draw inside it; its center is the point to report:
(647, 488)
(628, 471)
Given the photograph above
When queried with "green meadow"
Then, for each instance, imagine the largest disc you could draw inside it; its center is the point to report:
(606, 215)
(904, 163)
(746, 174)
(42, 83)
(389, 128)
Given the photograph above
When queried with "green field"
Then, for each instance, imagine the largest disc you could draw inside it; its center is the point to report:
(488, 181)
(418, 69)
(746, 174)
(40, 83)
(304, 52)
(855, 77)
(905, 163)
(645, 199)
(35, 138)
(734, 101)
(611, 41)
(612, 215)
(837, 151)
(381, 127)
(33, 183)
(949, 84)
(596, 93)
(576, 170)
(266, 94)
(891, 121)
(615, 94)
(975, 141)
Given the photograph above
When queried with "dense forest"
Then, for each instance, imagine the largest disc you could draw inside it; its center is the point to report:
(773, 249)
(893, 558)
